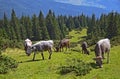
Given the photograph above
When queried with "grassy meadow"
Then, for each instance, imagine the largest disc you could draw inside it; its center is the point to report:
(49, 69)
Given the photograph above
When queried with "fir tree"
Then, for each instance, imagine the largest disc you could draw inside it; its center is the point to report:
(52, 26)
(111, 27)
(36, 28)
(44, 31)
(28, 27)
(22, 28)
(15, 26)
(6, 27)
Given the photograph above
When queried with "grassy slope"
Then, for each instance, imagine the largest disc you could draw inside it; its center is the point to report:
(48, 69)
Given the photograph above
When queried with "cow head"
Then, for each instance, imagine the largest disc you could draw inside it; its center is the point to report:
(29, 50)
(57, 49)
(98, 60)
(27, 44)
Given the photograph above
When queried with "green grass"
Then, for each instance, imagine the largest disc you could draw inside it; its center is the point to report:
(49, 69)
(77, 35)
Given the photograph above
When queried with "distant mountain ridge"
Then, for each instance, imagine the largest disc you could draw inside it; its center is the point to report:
(30, 7)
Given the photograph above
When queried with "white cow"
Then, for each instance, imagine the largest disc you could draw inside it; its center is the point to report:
(101, 47)
(41, 46)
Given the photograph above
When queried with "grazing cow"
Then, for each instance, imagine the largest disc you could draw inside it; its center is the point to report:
(102, 46)
(84, 48)
(27, 43)
(63, 43)
(41, 46)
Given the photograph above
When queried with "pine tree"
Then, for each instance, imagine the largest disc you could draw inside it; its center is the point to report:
(70, 23)
(62, 27)
(28, 27)
(6, 27)
(36, 28)
(44, 31)
(92, 27)
(22, 28)
(83, 20)
(111, 26)
(77, 23)
(15, 26)
(103, 24)
(52, 26)
(117, 23)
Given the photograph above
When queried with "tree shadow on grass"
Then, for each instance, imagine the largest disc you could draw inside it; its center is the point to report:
(83, 37)
(22, 55)
(30, 61)
(93, 65)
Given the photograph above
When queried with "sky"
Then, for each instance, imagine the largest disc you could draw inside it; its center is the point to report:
(94, 3)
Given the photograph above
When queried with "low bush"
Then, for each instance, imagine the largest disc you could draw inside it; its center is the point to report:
(6, 64)
(115, 41)
(73, 44)
(77, 66)
(76, 49)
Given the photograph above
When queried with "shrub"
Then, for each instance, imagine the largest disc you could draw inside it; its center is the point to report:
(77, 66)
(76, 49)
(115, 41)
(7, 63)
(73, 44)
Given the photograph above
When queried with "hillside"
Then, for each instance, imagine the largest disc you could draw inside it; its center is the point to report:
(30, 7)
(49, 69)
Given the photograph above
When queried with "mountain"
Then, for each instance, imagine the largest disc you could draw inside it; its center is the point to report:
(30, 7)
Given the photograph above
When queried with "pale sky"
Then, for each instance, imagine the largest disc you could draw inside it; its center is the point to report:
(93, 3)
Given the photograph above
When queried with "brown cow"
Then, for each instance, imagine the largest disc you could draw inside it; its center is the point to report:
(84, 48)
(63, 43)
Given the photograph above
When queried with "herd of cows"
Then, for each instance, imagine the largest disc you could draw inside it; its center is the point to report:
(101, 47)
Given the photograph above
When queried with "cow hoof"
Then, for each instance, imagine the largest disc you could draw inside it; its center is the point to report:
(101, 66)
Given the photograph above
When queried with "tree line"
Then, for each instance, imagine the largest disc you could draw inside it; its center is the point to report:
(14, 29)
(107, 26)
(39, 27)
(53, 27)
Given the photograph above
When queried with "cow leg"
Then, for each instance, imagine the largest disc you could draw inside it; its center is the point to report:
(87, 51)
(69, 46)
(82, 51)
(50, 53)
(34, 56)
(66, 48)
(103, 55)
(107, 57)
(62, 49)
(42, 55)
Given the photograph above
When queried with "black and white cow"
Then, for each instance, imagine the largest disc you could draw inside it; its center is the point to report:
(41, 46)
